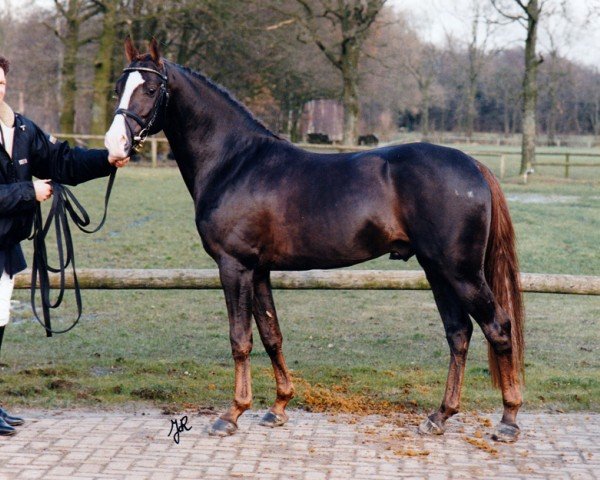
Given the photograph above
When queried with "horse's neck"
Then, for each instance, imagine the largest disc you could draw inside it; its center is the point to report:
(205, 133)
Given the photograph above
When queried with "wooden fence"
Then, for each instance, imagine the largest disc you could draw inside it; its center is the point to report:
(155, 279)
(501, 155)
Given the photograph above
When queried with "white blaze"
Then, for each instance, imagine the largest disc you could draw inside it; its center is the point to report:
(116, 137)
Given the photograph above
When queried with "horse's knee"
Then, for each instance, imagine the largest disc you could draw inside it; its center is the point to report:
(241, 350)
(459, 341)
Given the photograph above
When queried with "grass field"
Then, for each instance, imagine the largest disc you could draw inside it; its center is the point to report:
(348, 349)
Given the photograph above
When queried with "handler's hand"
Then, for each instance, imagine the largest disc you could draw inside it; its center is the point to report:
(118, 161)
(43, 190)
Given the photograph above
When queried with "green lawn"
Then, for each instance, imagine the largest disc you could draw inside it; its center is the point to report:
(172, 347)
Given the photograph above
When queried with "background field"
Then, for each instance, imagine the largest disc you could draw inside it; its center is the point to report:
(348, 350)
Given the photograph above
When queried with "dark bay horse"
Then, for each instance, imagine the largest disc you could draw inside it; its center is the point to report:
(262, 204)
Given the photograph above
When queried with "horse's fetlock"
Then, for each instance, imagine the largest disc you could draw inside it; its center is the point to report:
(513, 404)
(449, 410)
(243, 403)
(286, 393)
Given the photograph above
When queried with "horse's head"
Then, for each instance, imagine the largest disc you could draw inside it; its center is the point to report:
(142, 100)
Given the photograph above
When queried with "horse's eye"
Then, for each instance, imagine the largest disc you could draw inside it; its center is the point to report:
(151, 91)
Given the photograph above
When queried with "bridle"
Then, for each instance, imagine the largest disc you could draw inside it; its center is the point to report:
(137, 141)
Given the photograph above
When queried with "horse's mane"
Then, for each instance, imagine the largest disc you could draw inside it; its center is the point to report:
(229, 97)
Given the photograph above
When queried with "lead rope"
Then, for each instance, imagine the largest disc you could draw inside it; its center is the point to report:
(64, 205)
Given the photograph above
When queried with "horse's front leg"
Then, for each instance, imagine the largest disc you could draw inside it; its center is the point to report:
(270, 334)
(238, 288)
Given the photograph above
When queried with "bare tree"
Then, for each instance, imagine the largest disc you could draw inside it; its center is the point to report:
(422, 62)
(351, 21)
(74, 13)
(554, 75)
(104, 67)
(528, 14)
(476, 56)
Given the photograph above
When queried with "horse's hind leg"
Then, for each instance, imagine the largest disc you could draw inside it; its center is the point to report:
(270, 334)
(479, 301)
(458, 328)
(237, 282)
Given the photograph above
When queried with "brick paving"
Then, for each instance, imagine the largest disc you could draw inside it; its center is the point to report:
(87, 445)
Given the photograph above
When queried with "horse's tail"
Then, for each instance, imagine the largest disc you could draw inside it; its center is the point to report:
(502, 275)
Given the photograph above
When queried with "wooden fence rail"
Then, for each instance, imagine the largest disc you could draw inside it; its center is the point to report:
(142, 279)
(501, 154)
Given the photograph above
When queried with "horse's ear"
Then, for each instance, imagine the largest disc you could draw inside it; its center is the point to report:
(130, 51)
(155, 51)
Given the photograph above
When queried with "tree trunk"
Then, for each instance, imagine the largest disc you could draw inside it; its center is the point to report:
(473, 55)
(350, 92)
(137, 22)
(351, 110)
(425, 103)
(103, 68)
(506, 114)
(470, 120)
(530, 88)
(69, 69)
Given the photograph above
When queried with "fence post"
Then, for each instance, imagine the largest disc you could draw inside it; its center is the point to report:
(502, 166)
(567, 156)
(154, 152)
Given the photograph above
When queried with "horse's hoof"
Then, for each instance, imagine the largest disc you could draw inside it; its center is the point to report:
(506, 433)
(273, 419)
(222, 428)
(429, 427)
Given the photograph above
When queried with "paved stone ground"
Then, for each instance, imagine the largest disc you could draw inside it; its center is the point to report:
(78, 445)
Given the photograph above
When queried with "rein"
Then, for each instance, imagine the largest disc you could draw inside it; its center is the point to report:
(64, 205)
(137, 141)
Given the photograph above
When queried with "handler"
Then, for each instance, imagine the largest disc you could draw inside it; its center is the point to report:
(26, 151)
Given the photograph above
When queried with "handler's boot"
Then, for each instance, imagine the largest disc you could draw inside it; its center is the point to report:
(9, 419)
(6, 429)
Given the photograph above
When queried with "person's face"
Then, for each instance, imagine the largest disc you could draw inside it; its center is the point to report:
(2, 84)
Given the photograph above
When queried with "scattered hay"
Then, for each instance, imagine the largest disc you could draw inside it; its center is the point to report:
(481, 445)
(338, 399)
(409, 452)
(486, 422)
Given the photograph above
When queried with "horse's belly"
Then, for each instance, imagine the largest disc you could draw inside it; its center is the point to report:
(320, 247)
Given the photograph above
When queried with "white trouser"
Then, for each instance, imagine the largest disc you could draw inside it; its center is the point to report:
(6, 289)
